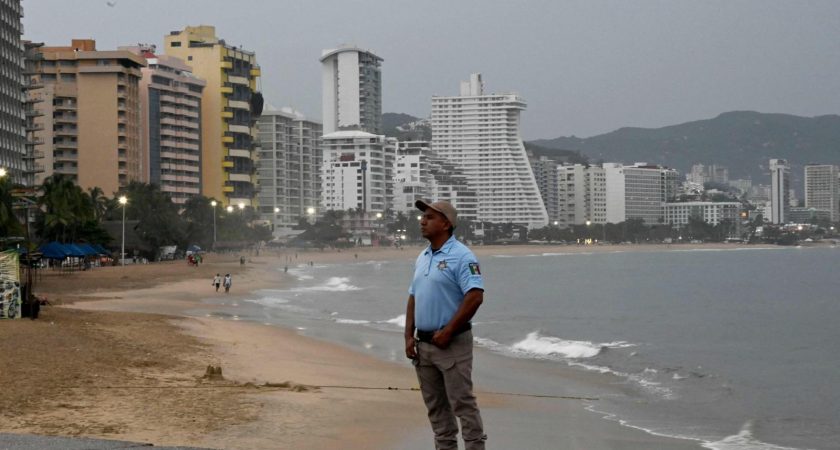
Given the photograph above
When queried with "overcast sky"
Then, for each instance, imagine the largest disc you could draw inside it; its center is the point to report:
(584, 67)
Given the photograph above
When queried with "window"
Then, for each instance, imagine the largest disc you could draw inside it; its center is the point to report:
(175, 44)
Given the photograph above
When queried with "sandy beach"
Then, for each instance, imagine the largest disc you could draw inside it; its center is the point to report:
(119, 356)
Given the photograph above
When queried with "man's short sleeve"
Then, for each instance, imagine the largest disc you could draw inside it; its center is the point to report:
(469, 276)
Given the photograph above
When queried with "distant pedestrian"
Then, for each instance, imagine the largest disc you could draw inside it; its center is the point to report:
(241, 260)
(217, 281)
(286, 269)
(227, 282)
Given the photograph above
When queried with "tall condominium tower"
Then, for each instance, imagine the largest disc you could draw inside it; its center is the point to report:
(779, 190)
(230, 106)
(480, 134)
(822, 188)
(33, 159)
(90, 114)
(171, 137)
(289, 167)
(12, 119)
(352, 90)
(357, 171)
(639, 191)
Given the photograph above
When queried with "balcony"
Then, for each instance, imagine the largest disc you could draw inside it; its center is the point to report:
(65, 106)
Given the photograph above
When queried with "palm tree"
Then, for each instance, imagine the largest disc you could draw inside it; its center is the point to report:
(99, 201)
(9, 224)
(65, 209)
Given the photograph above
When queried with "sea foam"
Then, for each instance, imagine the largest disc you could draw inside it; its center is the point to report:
(538, 345)
(398, 321)
(744, 440)
(352, 321)
(333, 284)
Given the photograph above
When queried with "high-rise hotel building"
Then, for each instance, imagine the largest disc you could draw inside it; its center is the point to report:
(230, 106)
(822, 189)
(779, 190)
(289, 166)
(358, 172)
(12, 118)
(352, 90)
(171, 135)
(479, 133)
(89, 114)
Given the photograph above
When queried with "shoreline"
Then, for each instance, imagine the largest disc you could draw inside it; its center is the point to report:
(251, 352)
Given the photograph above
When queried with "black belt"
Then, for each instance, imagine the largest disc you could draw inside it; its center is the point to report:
(426, 336)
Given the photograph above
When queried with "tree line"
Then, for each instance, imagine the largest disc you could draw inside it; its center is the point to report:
(65, 212)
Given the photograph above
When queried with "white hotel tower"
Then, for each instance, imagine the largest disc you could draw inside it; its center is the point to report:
(480, 134)
(352, 90)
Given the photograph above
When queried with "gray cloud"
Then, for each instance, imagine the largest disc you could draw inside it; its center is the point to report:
(584, 67)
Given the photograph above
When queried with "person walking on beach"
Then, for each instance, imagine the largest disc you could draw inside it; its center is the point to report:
(227, 282)
(217, 281)
(445, 293)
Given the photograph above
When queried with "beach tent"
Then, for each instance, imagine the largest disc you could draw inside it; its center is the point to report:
(88, 249)
(100, 249)
(53, 250)
(74, 250)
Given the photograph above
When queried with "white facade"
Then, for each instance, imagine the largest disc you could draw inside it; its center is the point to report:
(779, 188)
(638, 191)
(421, 174)
(614, 174)
(480, 135)
(822, 189)
(352, 90)
(357, 171)
(289, 168)
(412, 180)
(710, 212)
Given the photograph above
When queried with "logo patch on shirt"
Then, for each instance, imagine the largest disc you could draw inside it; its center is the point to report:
(442, 265)
(474, 269)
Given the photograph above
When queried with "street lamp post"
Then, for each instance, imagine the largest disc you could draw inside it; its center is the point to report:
(213, 203)
(123, 201)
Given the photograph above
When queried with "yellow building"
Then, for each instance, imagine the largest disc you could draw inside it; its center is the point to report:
(230, 106)
(88, 114)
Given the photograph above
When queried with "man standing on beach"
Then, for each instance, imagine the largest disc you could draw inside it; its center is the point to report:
(444, 295)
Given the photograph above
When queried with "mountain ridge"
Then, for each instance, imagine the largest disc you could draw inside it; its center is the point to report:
(743, 141)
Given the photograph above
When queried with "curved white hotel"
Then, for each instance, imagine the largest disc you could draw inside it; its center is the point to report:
(480, 134)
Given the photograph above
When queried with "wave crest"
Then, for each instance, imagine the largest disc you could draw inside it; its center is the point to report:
(552, 346)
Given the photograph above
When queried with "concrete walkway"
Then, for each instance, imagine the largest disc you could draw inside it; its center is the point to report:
(33, 442)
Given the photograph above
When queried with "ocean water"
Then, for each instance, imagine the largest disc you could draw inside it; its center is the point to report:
(735, 348)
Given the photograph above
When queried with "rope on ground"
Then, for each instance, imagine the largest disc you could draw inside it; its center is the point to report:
(514, 394)
(304, 388)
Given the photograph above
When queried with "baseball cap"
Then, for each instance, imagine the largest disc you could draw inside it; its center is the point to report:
(442, 207)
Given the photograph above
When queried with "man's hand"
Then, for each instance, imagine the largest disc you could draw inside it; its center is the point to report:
(410, 348)
(442, 338)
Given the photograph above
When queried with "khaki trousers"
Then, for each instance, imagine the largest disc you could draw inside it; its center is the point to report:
(445, 377)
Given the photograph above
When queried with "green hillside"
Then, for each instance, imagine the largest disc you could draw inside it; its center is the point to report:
(743, 141)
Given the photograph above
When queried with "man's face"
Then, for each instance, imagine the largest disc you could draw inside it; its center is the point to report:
(433, 224)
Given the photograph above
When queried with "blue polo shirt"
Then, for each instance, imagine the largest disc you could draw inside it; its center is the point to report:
(441, 279)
